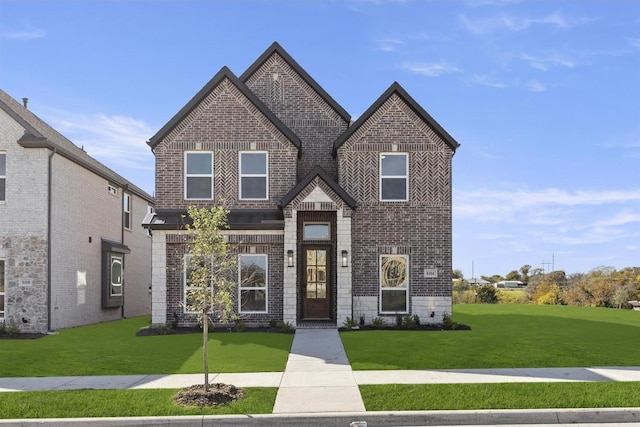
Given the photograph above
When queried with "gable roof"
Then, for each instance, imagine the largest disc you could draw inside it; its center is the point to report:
(39, 134)
(399, 90)
(276, 48)
(224, 73)
(317, 171)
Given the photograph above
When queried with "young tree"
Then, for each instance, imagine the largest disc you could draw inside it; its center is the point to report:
(213, 272)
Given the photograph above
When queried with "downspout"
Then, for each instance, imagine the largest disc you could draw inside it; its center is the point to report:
(125, 188)
(49, 204)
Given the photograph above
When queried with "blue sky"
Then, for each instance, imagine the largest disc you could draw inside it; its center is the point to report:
(543, 96)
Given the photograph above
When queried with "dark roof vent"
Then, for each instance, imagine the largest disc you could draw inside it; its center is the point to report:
(25, 101)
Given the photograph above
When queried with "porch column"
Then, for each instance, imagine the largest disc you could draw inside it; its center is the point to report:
(289, 294)
(345, 294)
(159, 278)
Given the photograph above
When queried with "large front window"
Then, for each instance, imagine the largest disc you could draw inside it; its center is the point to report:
(253, 283)
(253, 176)
(3, 177)
(394, 177)
(2, 289)
(394, 283)
(198, 175)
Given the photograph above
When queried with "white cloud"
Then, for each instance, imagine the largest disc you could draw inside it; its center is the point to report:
(536, 86)
(635, 42)
(117, 141)
(27, 34)
(388, 45)
(430, 69)
(517, 23)
(488, 80)
(620, 218)
(544, 63)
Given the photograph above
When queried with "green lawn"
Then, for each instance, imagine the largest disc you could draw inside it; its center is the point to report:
(112, 348)
(506, 336)
(405, 397)
(123, 403)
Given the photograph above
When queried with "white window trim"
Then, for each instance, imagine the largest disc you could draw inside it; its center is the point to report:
(121, 261)
(406, 176)
(185, 279)
(252, 175)
(253, 288)
(197, 175)
(2, 153)
(112, 190)
(126, 208)
(3, 294)
(406, 289)
(304, 236)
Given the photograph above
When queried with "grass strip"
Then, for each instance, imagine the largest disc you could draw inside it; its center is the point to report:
(112, 348)
(505, 336)
(415, 397)
(123, 403)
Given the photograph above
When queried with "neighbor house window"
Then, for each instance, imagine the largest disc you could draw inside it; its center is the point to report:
(3, 177)
(150, 210)
(116, 276)
(394, 177)
(2, 290)
(190, 288)
(253, 283)
(198, 175)
(126, 207)
(394, 283)
(253, 176)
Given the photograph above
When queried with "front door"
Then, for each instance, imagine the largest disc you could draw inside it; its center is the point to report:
(316, 282)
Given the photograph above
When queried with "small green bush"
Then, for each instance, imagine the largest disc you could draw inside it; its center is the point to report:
(285, 327)
(350, 323)
(378, 322)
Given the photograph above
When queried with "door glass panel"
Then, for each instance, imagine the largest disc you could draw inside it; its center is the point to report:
(311, 258)
(322, 274)
(311, 274)
(311, 290)
(321, 290)
(322, 257)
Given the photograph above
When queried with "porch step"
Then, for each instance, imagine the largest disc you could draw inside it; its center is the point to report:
(316, 324)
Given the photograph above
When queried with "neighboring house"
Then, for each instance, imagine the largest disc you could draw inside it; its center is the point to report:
(340, 219)
(72, 251)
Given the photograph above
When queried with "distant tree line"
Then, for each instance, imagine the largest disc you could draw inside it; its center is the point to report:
(601, 287)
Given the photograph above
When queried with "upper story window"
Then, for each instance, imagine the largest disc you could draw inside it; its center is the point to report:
(3, 176)
(394, 177)
(198, 175)
(126, 211)
(254, 176)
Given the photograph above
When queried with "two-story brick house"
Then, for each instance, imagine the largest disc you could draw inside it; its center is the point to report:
(340, 219)
(72, 251)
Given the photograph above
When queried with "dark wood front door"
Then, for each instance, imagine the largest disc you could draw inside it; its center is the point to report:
(316, 282)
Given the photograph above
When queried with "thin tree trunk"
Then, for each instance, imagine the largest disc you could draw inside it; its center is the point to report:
(205, 350)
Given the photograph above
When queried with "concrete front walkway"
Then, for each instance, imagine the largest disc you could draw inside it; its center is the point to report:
(318, 376)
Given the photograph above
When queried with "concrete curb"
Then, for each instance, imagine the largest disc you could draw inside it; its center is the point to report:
(373, 419)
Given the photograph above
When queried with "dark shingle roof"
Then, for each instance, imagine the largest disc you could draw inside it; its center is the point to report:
(396, 88)
(223, 74)
(39, 134)
(276, 48)
(317, 171)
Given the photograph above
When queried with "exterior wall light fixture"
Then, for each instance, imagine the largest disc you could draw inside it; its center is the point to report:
(344, 258)
(290, 258)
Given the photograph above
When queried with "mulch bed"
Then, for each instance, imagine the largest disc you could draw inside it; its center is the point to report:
(218, 394)
(20, 336)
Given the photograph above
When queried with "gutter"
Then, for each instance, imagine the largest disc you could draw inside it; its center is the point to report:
(125, 190)
(49, 204)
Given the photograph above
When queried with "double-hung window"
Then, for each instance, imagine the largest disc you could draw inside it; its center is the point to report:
(2, 290)
(3, 177)
(198, 175)
(254, 175)
(253, 283)
(394, 177)
(126, 208)
(394, 283)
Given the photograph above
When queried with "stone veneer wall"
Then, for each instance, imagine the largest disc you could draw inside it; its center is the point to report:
(26, 281)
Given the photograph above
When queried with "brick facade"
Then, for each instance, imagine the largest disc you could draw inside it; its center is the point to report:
(273, 100)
